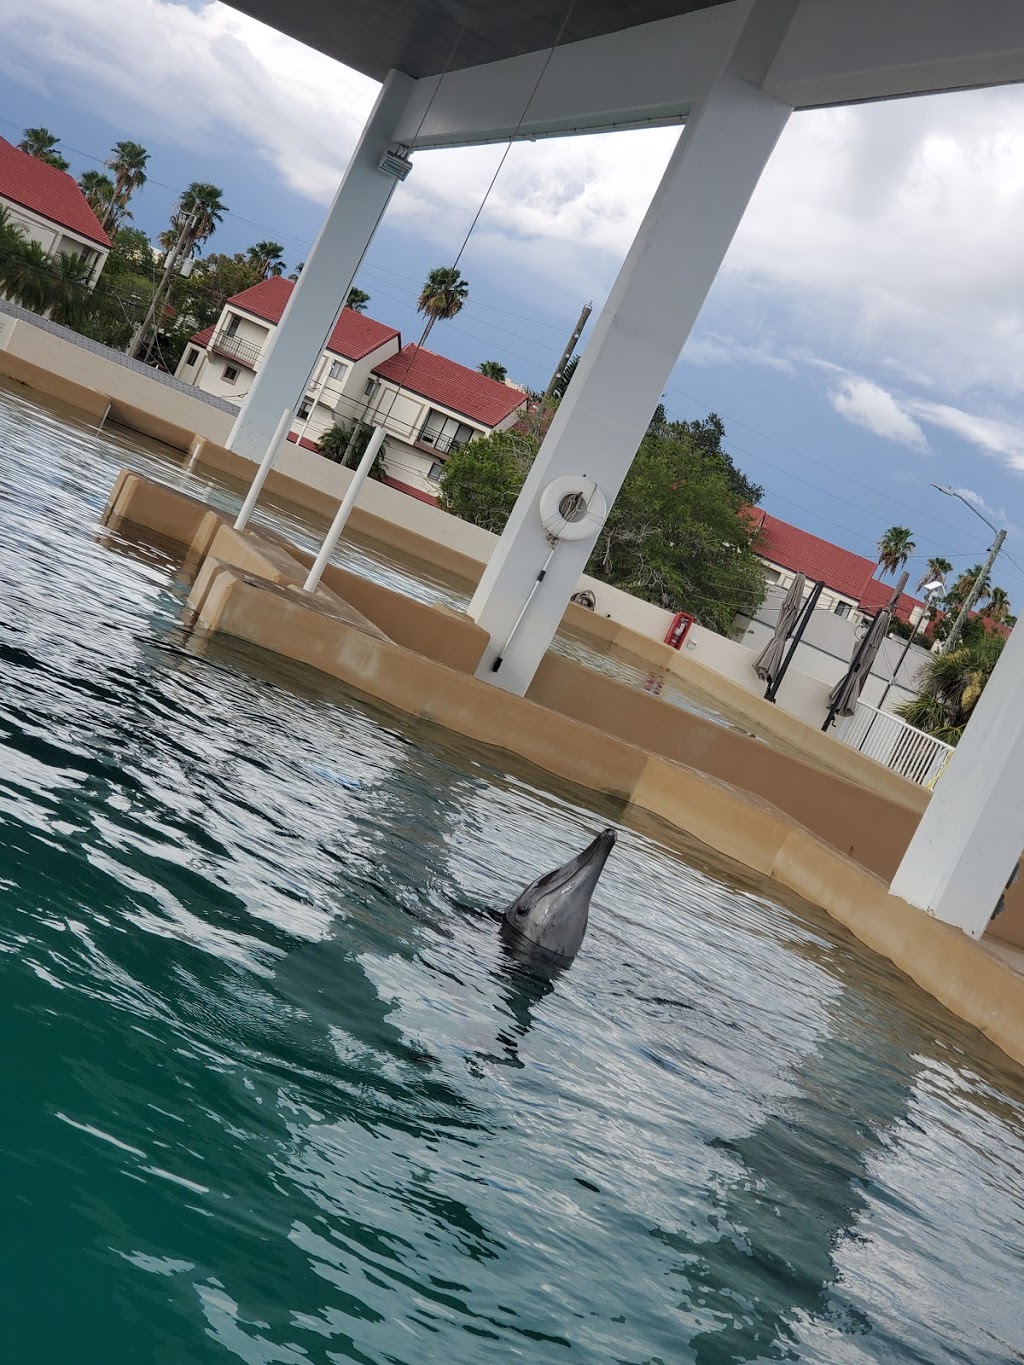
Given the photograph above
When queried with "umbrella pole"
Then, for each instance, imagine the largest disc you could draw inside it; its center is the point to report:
(796, 637)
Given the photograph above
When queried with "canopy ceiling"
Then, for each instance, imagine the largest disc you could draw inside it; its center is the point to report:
(422, 37)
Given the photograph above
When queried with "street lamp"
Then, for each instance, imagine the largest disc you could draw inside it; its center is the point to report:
(975, 592)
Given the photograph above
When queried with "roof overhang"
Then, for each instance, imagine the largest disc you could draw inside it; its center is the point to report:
(488, 72)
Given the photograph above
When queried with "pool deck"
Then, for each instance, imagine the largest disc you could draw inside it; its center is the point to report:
(806, 822)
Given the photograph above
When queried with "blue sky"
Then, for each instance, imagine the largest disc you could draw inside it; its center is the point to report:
(864, 339)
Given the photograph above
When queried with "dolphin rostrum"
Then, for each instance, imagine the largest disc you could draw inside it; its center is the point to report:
(551, 914)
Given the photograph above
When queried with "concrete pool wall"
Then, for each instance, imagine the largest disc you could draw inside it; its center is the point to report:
(260, 601)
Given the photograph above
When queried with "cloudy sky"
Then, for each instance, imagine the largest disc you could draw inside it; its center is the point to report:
(864, 340)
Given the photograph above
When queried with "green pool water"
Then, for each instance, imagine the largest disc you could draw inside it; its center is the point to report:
(272, 1091)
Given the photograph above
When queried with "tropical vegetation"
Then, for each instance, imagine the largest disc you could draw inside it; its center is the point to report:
(950, 687)
(442, 297)
(493, 369)
(679, 533)
(895, 548)
(358, 299)
(42, 144)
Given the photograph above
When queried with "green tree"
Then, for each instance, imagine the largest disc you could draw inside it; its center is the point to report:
(998, 606)
(958, 594)
(98, 190)
(677, 535)
(442, 297)
(493, 369)
(124, 290)
(482, 479)
(70, 301)
(42, 144)
(128, 161)
(266, 259)
(12, 245)
(27, 279)
(358, 299)
(950, 687)
(895, 548)
(937, 568)
(196, 216)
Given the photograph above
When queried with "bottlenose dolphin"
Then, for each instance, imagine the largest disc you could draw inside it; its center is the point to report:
(550, 916)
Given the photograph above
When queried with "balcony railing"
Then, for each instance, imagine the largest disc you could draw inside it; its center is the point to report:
(896, 745)
(238, 349)
(444, 445)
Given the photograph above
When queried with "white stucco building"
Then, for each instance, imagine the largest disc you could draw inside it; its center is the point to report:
(50, 209)
(429, 405)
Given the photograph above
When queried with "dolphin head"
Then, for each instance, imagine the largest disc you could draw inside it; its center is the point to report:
(551, 914)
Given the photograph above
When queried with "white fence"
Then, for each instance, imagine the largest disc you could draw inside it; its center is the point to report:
(892, 742)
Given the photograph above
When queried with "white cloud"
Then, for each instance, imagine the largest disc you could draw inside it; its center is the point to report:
(995, 436)
(710, 348)
(869, 405)
(995, 514)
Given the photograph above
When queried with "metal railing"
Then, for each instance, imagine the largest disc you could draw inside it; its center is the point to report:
(880, 735)
(444, 445)
(238, 349)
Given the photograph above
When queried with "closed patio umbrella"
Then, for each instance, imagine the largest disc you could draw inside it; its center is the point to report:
(767, 663)
(844, 696)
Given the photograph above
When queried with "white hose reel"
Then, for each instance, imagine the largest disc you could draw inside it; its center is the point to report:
(572, 508)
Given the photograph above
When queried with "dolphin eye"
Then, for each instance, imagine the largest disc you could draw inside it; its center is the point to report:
(521, 912)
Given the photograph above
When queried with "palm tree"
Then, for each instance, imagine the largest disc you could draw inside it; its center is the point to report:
(27, 279)
(195, 218)
(358, 299)
(493, 369)
(99, 191)
(998, 608)
(12, 244)
(937, 568)
(895, 548)
(950, 687)
(42, 144)
(964, 586)
(266, 258)
(128, 161)
(69, 301)
(441, 297)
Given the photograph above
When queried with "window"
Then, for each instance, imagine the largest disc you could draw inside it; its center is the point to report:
(445, 433)
(338, 370)
(230, 374)
(434, 472)
(371, 388)
(305, 408)
(232, 327)
(192, 357)
(842, 608)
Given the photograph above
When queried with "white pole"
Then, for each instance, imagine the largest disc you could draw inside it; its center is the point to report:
(342, 514)
(266, 465)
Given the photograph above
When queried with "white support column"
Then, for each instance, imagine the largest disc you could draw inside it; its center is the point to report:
(972, 833)
(326, 277)
(649, 314)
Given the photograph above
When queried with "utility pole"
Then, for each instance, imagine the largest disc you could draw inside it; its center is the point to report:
(170, 266)
(567, 353)
(949, 644)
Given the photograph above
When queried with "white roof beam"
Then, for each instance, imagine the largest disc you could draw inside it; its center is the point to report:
(642, 77)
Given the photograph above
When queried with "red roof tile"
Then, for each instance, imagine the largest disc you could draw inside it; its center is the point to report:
(204, 337)
(842, 571)
(354, 337)
(454, 386)
(27, 181)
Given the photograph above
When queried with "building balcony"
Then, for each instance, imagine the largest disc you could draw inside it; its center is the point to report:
(442, 445)
(237, 349)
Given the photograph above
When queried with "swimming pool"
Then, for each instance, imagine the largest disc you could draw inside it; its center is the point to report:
(273, 1091)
